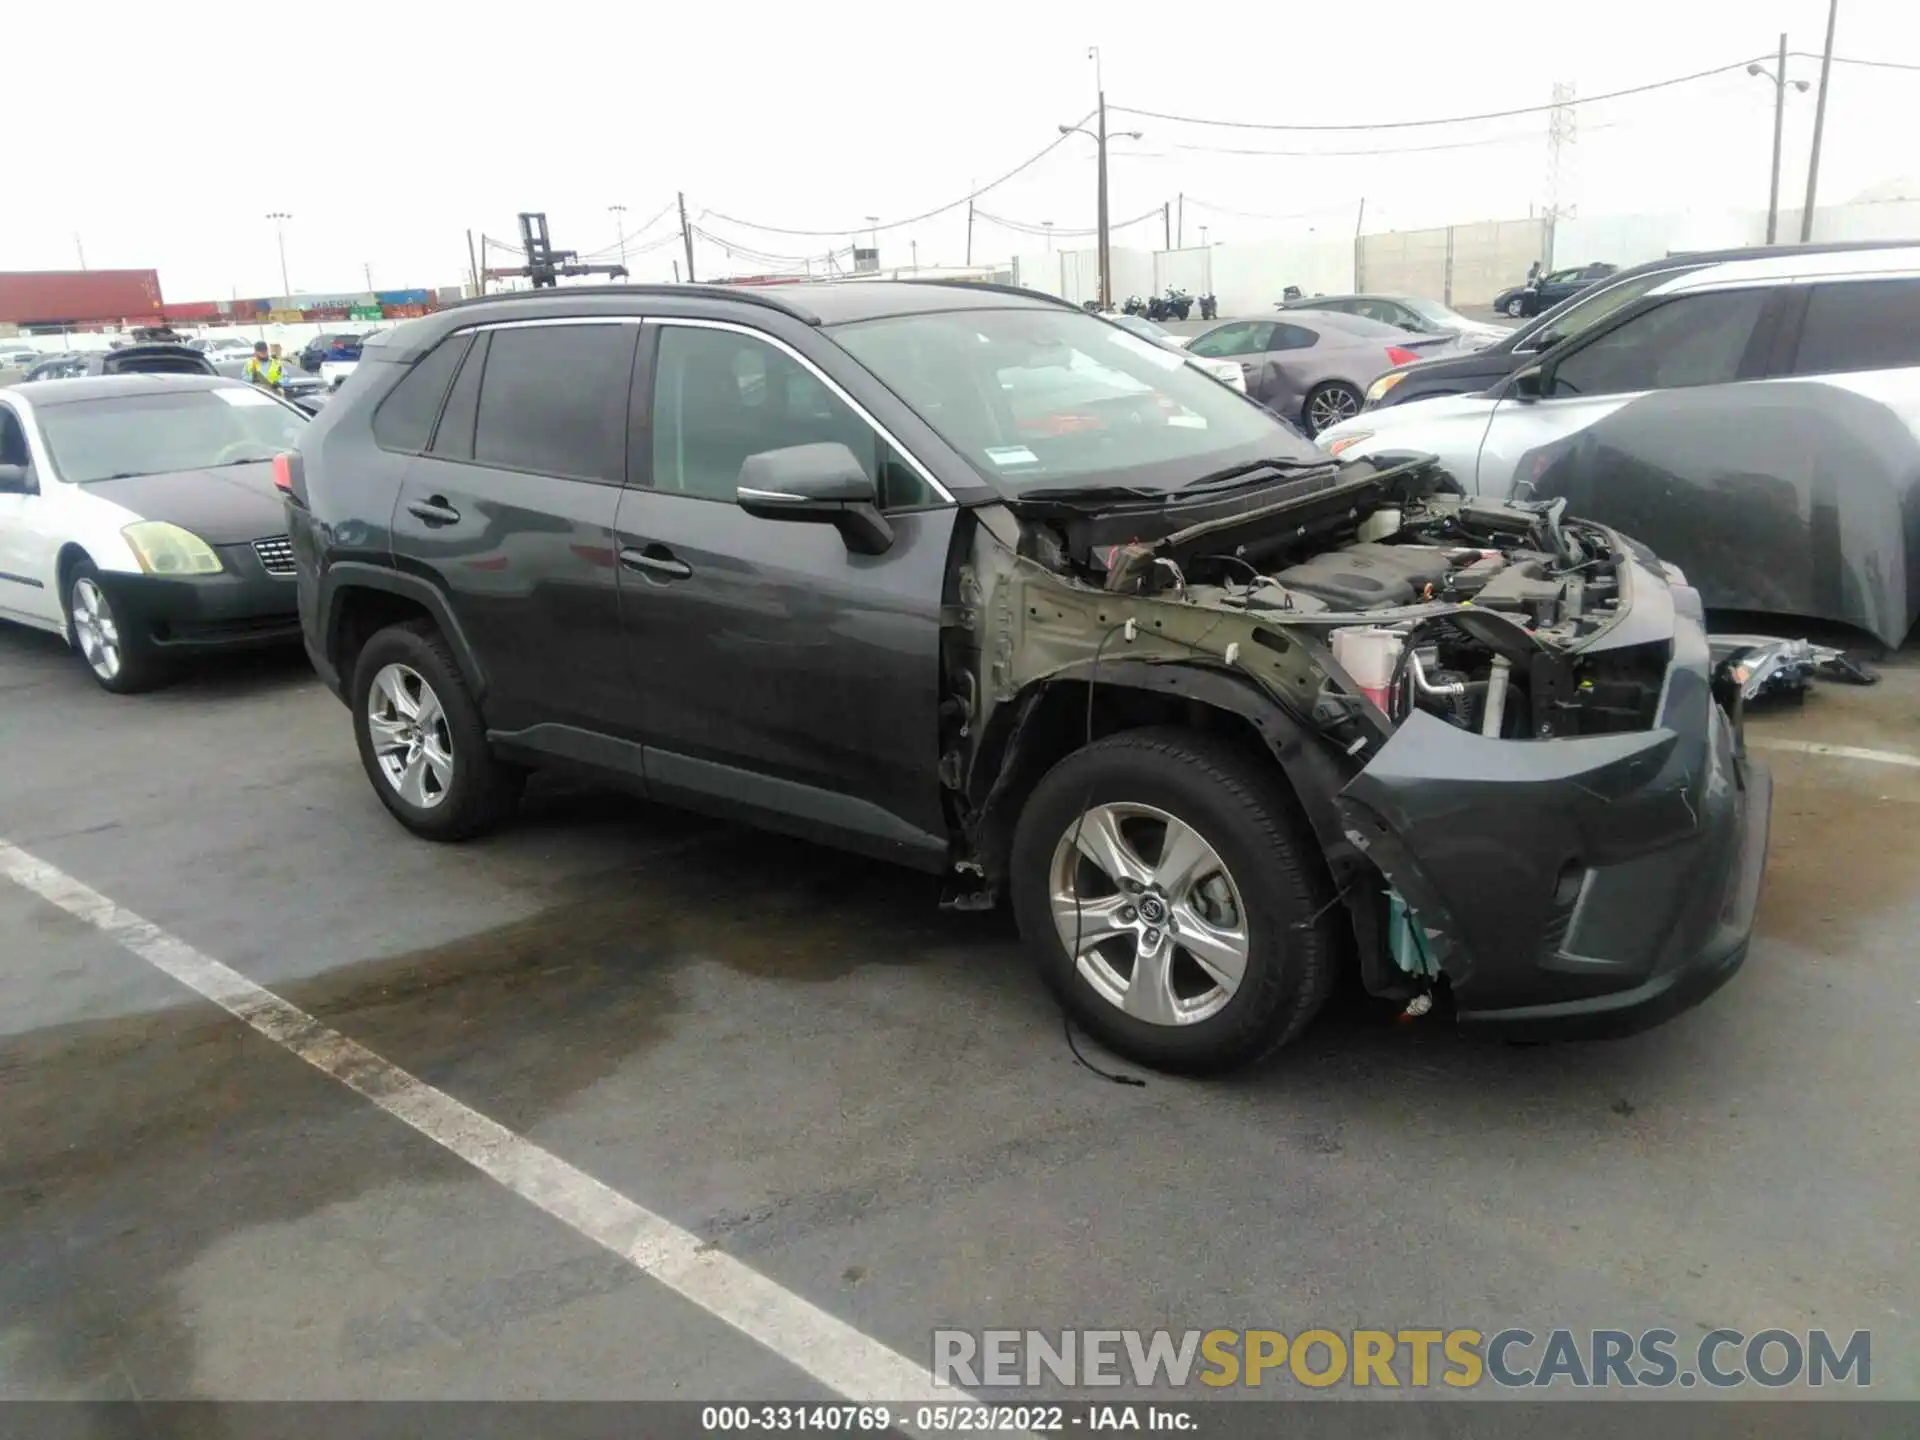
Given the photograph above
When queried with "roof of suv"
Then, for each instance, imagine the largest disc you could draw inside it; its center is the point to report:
(819, 302)
(106, 387)
(1795, 264)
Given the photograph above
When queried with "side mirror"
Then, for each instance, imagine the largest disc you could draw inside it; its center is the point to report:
(16, 480)
(1529, 384)
(818, 483)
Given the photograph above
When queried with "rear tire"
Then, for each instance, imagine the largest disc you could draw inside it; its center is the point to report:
(121, 660)
(1327, 405)
(422, 740)
(1259, 880)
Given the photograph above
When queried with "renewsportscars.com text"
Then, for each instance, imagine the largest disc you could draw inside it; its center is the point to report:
(1413, 1358)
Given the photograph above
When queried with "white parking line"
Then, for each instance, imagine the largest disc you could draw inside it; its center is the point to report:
(831, 1351)
(1838, 752)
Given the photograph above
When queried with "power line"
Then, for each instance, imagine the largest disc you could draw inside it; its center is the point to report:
(633, 235)
(1029, 228)
(1530, 137)
(1026, 164)
(1446, 120)
(1844, 60)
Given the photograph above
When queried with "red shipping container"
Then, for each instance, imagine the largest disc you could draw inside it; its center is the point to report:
(78, 297)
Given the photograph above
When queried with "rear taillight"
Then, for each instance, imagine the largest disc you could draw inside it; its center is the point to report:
(283, 473)
(1400, 355)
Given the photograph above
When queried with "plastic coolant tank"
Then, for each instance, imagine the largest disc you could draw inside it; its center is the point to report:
(1369, 654)
(1378, 526)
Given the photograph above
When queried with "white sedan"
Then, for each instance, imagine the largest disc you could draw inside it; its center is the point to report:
(139, 518)
(1227, 372)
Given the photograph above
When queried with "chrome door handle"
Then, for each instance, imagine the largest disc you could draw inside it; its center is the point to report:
(435, 511)
(663, 564)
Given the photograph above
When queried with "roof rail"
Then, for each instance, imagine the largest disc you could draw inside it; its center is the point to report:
(955, 283)
(751, 294)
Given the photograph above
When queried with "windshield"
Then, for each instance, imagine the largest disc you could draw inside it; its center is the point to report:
(1565, 321)
(1034, 398)
(1434, 313)
(122, 435)
(1140, 325)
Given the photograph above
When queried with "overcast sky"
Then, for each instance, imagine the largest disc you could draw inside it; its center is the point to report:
(387, 130)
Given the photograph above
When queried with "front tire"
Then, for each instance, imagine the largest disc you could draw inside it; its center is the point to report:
(1184, 869)
(1517, 307)
(422, 740)
(1327, 405)
(121, 660)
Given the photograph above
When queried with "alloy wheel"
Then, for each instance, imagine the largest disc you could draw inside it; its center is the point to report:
(1150, 914)
(1516, 308)
(95, 629)
(412, 740)
(1331, 406)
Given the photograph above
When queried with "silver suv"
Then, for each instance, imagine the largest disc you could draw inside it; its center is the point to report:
(1757, 422)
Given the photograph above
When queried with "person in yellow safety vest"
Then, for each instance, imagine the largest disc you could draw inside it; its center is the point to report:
(262, 369)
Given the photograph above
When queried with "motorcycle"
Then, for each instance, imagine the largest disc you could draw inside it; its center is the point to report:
(1135, 306)
(1209, 308)
(1178, 304)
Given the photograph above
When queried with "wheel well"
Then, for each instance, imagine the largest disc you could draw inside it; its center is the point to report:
(70, 554)
(1055, 724)
(360, 614)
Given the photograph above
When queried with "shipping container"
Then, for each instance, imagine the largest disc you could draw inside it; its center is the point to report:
(78, 297)
(403, 297)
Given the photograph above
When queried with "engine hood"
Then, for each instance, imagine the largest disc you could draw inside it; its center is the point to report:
(227, 506)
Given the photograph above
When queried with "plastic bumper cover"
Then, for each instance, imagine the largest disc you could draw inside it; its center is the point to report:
(1585, 886)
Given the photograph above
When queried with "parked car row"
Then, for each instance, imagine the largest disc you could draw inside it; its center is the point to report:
(964, 578)
(1754, 416)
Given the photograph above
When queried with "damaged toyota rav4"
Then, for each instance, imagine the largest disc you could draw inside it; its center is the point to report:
(963, 578)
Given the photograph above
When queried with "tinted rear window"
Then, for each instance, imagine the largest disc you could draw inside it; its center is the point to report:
(554, 400)
(404, 420)
(1860, 325)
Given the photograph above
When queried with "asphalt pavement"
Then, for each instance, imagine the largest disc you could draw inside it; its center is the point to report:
(795, 1057)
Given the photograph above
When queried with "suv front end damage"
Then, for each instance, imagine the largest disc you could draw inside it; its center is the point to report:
(1502, 724)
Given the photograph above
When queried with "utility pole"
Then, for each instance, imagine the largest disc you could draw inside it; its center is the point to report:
(1047, 225)
(686, 239)
(1166, 223)
(1819, 125)
(366, 267)
(1779, 79)
(914, 247)
(280, 218)
(80, 249)
(473, 267)
(969, 234)
(1562, 130)
(1106, 252)
(619, 213)
(1180, 232)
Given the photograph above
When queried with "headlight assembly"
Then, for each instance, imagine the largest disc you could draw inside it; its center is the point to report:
(164, 549)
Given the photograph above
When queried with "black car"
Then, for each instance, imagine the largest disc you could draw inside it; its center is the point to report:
(962, 577)
(1548, 290)
(1468, 374)
(329, 346)
(156, 359)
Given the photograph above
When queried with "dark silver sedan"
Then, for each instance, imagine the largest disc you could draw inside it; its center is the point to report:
(1313, 368)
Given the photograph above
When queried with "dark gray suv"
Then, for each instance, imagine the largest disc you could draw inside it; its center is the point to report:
(964, 578)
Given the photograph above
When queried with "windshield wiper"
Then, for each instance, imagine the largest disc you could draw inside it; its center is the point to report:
(1219, 479)
(1094, 492)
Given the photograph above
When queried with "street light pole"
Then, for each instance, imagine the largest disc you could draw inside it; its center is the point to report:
(1778, 75)
(1104, 239)
(1819, 124)
(280, 218)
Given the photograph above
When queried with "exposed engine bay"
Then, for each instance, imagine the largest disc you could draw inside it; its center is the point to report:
(1399, 592)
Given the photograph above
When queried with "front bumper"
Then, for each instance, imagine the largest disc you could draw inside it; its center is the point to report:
(241, 607)
(1577, 887)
